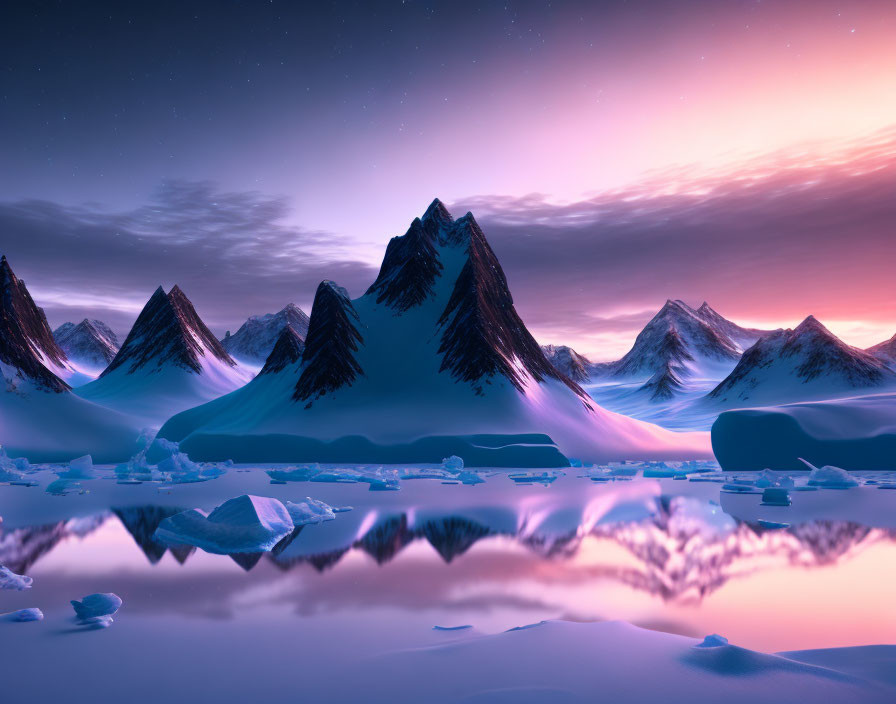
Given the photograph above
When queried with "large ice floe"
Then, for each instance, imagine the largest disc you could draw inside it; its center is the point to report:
(246, 524)
(852, 433)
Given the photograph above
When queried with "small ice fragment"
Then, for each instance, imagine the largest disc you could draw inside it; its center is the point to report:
(454, 462)
(775, 496)
(712, 641)
(23, 615)
(772, 525)
(470, 478)
(451, 628)
(96, 606)
(830, 477)
(309, 511)
(734, 488)
(343, 509)
(12, 581)
(96, 622)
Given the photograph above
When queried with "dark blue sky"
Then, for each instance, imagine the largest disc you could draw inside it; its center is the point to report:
(248, 150)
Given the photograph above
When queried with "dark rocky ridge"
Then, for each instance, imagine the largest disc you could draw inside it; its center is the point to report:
(168, 331)
(287, 351)
(482, 334)
(409, 270)
(90, 341)
(333, 338)
(25, 334)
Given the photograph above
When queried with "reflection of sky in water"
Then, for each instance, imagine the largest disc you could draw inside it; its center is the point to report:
(430, 555)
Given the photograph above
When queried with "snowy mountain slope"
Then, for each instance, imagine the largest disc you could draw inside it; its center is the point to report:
(568, 361)
(39, 416)
(89, 345)
(808, 362)
(854, 433)
(679, 345)
(885, 351)
(432, 360)
(169, 361)
(27, 347)
(253, 342)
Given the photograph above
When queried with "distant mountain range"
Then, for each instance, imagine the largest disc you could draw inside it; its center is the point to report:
(255, 339)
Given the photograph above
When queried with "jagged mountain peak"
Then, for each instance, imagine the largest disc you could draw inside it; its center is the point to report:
(409, 270)
(885, 351)
(780, 365)
(333, 338)
(255, 339)
(568, 361)
(287, 351)
(168, 331)
(90, 342)
(27, 345)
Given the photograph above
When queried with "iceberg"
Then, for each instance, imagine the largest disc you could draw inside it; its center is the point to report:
(309, 511)
(23, 616)
(830, 477)
(81, 468)
(96, 610)
(240, 525)
(12, 581)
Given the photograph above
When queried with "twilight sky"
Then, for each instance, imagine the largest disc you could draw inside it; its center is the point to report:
(616, 154)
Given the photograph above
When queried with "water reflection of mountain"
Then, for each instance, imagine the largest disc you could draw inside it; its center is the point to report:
(683, 551)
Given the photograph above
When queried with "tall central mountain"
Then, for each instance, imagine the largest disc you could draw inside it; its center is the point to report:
(169, 361)
(255, 339)
(90, 344)
(679, 343)
(800, 364)
(432, 360)
(39, 416)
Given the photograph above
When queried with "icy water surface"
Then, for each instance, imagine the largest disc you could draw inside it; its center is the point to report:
(675, 555)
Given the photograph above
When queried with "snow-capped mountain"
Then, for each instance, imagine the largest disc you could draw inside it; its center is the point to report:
(807, 362)
(568, 362)
(255, 339)
(169, 361)
(885, 351)
(432, 360)
(680, 343)
(28, 351)
(90, 345)
(39, 417)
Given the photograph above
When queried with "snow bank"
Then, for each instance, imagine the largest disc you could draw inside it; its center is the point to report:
(851, 433)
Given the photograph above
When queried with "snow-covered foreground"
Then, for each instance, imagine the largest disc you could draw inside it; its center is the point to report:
(630, 572)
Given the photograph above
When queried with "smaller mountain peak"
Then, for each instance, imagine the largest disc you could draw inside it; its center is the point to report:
(287, 350)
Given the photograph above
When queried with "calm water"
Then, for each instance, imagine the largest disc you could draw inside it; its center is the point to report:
(675, 556)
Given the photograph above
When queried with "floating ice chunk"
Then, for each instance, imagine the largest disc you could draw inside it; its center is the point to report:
(623, 471)
(309, 511)
(295, 474)
(96, 622)
(244, 524)
(738, 488)
(81, 468)
(431, 473)
(452, 628)
(830, 477)
(775, 496)
(95, 608)
(454, 463)
(712, 641)
(60, 487)
(10, 470)
(470, 478)
(23, 615)
(343, 509)
(12, 581)
(769, 478)
(659, 473)
(772, 525)
(533, 477)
